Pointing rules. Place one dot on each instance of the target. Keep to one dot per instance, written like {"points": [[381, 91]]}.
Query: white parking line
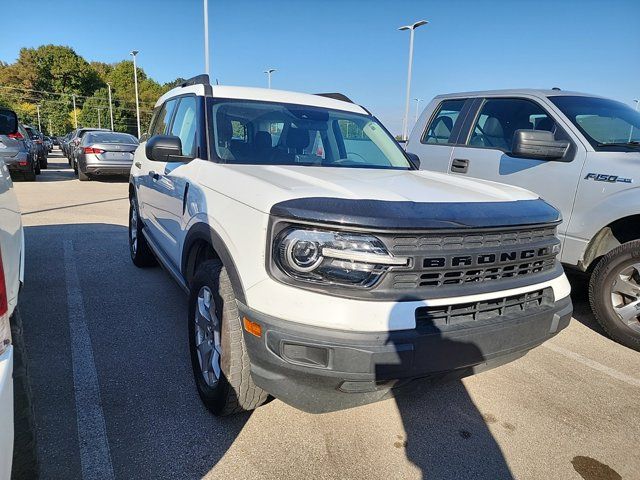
{"points": [[95, 457], [623, 377]]}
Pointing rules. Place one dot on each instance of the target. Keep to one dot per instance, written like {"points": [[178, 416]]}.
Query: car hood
{"points": [[264, 186]]}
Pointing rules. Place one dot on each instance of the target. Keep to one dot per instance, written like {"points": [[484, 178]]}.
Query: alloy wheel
{"points": [[208, 337], [625, 295]]}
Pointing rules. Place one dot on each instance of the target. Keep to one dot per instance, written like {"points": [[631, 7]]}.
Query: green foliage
{"points": [[50, 74]]}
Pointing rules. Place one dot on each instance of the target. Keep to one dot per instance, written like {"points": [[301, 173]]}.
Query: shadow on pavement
{"points": [[580, 297]]}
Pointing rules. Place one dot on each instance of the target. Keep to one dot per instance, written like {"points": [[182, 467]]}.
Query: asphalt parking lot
{"points": [[110, 374]]}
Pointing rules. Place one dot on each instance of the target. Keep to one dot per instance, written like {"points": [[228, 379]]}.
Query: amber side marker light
{"points": [[252, 327]]}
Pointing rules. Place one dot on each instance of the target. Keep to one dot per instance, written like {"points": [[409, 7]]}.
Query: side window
{"points": [[163, 118], [444, 122], [184, 125], [499, 118]]}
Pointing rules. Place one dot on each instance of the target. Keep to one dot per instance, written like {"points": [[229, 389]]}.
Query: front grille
{"points": [[472, 257], [484, 310], [406, 244]]}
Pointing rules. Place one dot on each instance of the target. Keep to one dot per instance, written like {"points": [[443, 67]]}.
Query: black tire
{"points": [[83, 177], [37, 168], [234, 392], [600, 284], [25, 452], [141, 254], [75, 167], [44, 164], [30, 176]]}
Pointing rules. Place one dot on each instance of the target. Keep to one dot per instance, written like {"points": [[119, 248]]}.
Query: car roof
{"points": [[536, 92], [263, 94]]}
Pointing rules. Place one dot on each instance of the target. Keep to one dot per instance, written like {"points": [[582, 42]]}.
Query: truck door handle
{"points": [[154, 175], [460, 165]]}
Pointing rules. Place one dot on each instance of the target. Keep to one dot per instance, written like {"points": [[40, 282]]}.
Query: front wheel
{"points": [[219, 357], [614, 293]]}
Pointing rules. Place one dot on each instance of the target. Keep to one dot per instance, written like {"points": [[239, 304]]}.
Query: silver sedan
{"points": [[105, 153]]}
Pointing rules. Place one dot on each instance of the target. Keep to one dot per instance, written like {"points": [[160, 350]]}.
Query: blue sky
{"points": [[353, 46]]}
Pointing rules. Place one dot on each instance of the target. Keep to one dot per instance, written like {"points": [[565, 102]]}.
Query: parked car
{"points": [[11, 277], [17, 151], [105, 153], [74, 143], [579, 152], [37, 138], [325, 269]]}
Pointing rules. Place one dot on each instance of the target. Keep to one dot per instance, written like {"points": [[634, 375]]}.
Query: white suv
{"points": [[322, 266]]}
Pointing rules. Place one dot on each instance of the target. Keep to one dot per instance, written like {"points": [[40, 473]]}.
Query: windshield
{"points": [[284, 134], [603, 122]]}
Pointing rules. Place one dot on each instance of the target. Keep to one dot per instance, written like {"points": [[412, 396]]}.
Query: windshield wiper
{"points": [[632, 144]]}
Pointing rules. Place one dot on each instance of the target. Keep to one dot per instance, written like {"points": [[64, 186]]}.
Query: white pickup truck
{"points": [[322, 266], [581, 153]]}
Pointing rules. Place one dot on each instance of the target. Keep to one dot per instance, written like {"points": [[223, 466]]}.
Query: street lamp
{"points": [[75, 114], [637, 103], [38, 109], [269, 72], [98, 108], [417, 100], [110, 106], [411, 29], [133, 53]]}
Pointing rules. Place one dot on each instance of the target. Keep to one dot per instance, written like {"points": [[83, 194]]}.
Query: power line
{"points": [[69, 94]]}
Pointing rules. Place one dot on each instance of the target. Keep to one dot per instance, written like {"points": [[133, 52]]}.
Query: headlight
{"points": [[326, 257]]}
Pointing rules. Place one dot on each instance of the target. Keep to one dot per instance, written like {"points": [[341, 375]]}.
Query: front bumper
{"points": [[320, 370], [6, 412]]}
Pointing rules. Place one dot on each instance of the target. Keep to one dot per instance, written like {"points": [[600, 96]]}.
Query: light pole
{"points": [[412, 29], [98, 108], [206, 37], [50, 129], [417, 100], [133, 53], [631, 129], [38, 109], [269, 72], [110, 106], [75, 115], [637, 103]]}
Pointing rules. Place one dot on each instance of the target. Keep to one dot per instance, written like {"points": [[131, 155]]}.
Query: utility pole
{"points": [[50, 129], [39, 126], [98, 108], [206, 37], [110, 106], [75, 115], [133, 53], [412, 29]]}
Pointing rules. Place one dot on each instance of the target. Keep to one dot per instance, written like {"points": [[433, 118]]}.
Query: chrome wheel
{"points": [[625, 295], [207, 337], [133, 228]]}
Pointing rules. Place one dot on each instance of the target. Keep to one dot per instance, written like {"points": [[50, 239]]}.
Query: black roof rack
{"points": [[202, 79], [336, 96]]}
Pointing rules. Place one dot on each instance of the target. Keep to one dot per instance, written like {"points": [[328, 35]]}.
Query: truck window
{"points": [[442, 123], [499, 118]]}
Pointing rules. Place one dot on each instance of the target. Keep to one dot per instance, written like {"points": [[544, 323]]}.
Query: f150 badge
{"points": [[603, 177]]}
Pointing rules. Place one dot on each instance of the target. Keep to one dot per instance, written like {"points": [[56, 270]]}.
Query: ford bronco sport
{"points": [[322, 266]]}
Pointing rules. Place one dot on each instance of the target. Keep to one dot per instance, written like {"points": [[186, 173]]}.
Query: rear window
{"points": [[441, 127], [109, 137]]}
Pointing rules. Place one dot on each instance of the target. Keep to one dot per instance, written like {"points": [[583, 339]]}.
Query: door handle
{"points": [[154, 175], [460, 165], [138, 164]]}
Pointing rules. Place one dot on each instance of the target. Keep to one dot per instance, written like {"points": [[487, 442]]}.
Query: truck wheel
{"points": [[219, 357], [614, 293], [141, 253]]}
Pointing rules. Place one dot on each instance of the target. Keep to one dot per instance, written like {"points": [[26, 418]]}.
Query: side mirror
{"points": [[538, 144], [8, 122], [165, 148], [414, 159]]}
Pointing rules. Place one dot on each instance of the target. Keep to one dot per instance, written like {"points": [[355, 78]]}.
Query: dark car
{"points": [[37, 138], [16, 148], [105, 153]]}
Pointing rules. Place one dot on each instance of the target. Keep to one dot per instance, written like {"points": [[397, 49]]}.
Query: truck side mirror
{"points": [[8, 122], [538, 144]]}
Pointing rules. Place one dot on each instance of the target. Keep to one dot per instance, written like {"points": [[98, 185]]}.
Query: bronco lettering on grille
{"points": [[485, 258]]}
